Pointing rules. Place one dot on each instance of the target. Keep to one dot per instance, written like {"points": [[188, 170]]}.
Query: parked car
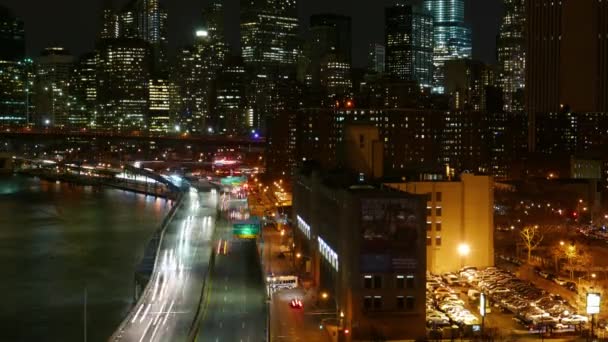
{"points": [[560, 281]]}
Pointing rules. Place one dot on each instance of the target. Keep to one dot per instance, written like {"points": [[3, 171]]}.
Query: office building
{"points": [[409, 43], [376, 58], [53, 72], [451, 37], [12, 36], [566, 68], [331, 38], [159, 120], [230, 113], [269, 34], [83, 92], [16, 92], [110, 22], [362, 244], [459, 212], [335, 78], [512, 56], [123, 76]]}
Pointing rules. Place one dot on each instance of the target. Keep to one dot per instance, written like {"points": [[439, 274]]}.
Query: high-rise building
{"points": [[53, 73], [409, 43], [110, 28], [159, 119], [186, 92], [330, 35], [123, 77], [336, 78], [269, 33], [376, 58], [12, 36], [451, 37], [146, 20], [566, 68], [213, 18], [512, 55], [16, 92], [230, 114], [83, 91]]}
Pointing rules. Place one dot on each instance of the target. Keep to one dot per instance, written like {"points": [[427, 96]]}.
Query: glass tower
{"points": [[452, 38], [409, 43]]}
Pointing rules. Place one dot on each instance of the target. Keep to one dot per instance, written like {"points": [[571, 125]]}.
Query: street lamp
{"points": [[463, 250]]}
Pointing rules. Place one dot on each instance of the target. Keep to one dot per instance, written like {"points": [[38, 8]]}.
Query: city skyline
{"points": [[54, 24]]}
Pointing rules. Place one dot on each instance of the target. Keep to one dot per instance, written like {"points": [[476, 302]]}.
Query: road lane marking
{"points": [[220, 324], [243, 325]]}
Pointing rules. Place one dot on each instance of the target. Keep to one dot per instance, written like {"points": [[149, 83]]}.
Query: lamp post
{"points": [[463, 250]]}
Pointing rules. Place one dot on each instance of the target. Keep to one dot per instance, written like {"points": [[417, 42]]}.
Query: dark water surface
{"points": [[58, 239]]}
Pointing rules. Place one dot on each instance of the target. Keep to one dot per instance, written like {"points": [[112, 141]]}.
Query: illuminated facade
{"points": [[12, 36], [269, 33], [409, 43], [452, 38], [53, 72], [83, 92], [159, 119], [16, 92], [335, 78], [512, 56], [457, 212], [188, 101], [123, 84]]}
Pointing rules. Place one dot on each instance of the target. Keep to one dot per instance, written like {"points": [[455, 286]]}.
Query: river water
{"points": [[56, 240]]}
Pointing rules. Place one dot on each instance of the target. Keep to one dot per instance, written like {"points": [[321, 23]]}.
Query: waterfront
{"points": [[57, 239]]}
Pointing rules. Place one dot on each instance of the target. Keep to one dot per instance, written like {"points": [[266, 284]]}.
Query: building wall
{"points": [[351, 223], [458, 212]]}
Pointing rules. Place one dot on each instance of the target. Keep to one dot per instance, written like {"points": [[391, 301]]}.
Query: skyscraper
{"points": [[269, 33], [159, 120], [123, 77], [12, 36], [16, 91], [83, 91], [188, 100], [566, 68], [409, 43], [110, 27], [452, 38], [53, 70], [511, 54], [230, 112], [376, 58]]}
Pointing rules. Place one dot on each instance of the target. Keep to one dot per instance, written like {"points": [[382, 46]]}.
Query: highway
{"points": [[165, 312], [236, 307]]}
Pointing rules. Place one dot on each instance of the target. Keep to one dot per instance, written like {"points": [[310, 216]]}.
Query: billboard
{"points": [[391, 229]]}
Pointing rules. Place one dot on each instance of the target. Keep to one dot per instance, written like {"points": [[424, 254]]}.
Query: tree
{"points": [[531, 237]]}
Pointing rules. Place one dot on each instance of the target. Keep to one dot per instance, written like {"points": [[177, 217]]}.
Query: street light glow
{"points": [[464, 249]]}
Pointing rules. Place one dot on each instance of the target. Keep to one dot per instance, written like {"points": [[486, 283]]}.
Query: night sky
{"points": [[75, 23]]}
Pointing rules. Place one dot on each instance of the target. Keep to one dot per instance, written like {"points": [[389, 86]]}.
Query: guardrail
{"points": [[117, 333], [200, 312]]}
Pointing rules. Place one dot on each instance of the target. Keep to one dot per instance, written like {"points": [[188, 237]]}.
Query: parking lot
{"points": [[516, 308]]}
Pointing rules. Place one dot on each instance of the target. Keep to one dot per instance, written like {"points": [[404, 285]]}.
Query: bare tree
{"points": [[531, 236]]}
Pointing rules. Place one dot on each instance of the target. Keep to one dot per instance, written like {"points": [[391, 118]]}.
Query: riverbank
{"points": [[152, 189]]}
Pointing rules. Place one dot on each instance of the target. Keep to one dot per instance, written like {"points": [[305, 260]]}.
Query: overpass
{"points": [[54, 133]]}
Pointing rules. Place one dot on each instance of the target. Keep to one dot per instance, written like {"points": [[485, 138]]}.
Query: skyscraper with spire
{"points": [[452, 37]]}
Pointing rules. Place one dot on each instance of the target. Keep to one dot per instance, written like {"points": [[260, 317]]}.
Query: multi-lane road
{"points": [[235, 310], [167, 309]]}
